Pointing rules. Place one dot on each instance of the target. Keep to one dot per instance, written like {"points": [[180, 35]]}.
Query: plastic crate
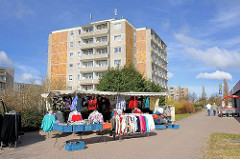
{"points": [[173, 126], [77, 128], [107, 125], [73, 146], [63, 128], [88, 127], [97, 126], [160, 127]]}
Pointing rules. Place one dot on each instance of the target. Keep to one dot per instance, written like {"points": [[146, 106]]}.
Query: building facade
{"points": [[236, 91], [78, 57], [6, 78], [178, 93]]}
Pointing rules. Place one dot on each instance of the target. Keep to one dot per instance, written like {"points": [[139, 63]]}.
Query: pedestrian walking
{"points": [[208, 108], [214, 108]]}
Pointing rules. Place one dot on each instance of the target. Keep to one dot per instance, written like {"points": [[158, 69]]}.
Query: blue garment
{"points": [[214, 112], [147, 102], [47, 123], [209, 111], [74, 103], [147, 128]]}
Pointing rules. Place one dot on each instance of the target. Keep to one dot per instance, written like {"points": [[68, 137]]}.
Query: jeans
{"points": [[209, 111], [214, 112]]}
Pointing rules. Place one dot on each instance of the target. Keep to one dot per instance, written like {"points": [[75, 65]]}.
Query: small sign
{"points": [[220, 89]]}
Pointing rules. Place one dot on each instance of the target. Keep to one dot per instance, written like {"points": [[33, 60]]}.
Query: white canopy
{"points": [[101, 93]]}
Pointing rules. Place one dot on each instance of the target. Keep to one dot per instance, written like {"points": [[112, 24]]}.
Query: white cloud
{"points": [[26, 77], [217, 58], [170, 75], [227, 16], [187, 40], [218, 75], [14, 9], [5, 60]]}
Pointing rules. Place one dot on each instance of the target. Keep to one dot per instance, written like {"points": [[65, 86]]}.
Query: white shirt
{"points": [[208, 106]]}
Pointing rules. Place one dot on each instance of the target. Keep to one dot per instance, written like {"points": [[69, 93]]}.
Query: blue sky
{"points": [[202, 36]]}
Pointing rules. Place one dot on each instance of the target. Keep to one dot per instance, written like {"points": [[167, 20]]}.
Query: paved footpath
{"points": [[186, 143]]}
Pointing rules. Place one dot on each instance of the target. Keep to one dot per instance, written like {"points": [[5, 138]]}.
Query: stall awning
{"points": [[102, 93]]}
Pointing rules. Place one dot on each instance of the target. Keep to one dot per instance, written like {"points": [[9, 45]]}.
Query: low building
{"points": [[236, 91], [178, 93]]}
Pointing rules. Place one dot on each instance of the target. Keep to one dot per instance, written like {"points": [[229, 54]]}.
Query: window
{"points": [[89, 41], [117, 62], [79, 77], [89, 30], [79, 65], [101, 74], [117, 49], [70, 77], [79, 43], [88, 64], [79, 31], [71, 44], [88, 87], [88, 52], [102, 39], [101, 27], [71, 33], [71, 55], [89, 76], [102, 63], [102, 51], [79, 54], [117, 26], [117, 38], [70, 66]]}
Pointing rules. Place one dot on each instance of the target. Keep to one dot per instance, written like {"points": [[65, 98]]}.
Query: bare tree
{"points": [[193, 97], [226, 91], [204, 96]]}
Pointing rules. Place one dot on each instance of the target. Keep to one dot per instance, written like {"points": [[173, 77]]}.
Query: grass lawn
{"points": [[221, 149], [181, 116]]}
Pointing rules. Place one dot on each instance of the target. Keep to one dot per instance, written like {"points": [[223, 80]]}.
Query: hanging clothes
{"points": [[131, 123], [131, 103], [58, 103], [156, 103], [47, 123], [136, 110], [59, 116], [79, 106], [74, 103], [121, 103], [151, 103], [147, 102], [67, 101], [92, 104]]}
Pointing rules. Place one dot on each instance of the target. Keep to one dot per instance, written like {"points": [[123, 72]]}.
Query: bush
{"points": [[183, 107], [31, 119], [198, 105], [187, 107]]}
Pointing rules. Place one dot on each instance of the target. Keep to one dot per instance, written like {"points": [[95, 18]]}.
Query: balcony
{"points": [[100, 68], [94, 56], [100, 44], [100, 32], [3, 81], [88, 81]]}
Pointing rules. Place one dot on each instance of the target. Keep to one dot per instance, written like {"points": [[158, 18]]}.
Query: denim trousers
{"points": [[214, 112], [209, 111]]}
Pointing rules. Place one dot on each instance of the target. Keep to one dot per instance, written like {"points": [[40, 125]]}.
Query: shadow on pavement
{"points": [[238, 119], [31, 138]]}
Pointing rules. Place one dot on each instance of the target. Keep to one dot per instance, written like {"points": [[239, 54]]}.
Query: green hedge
{"points": [[31, 119]]}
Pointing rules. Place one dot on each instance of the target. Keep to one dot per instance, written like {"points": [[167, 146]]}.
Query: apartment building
{"points": [[6, 78], [78, 57], [178, 93]]}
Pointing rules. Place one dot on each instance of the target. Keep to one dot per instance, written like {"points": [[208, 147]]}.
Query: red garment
{"points": [[136, 102], [92, 104], [131, 103], [137, 110], [76, 118]]}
